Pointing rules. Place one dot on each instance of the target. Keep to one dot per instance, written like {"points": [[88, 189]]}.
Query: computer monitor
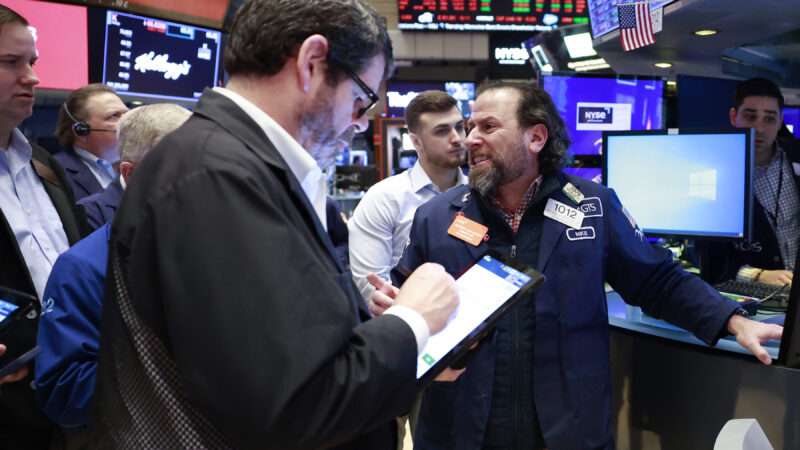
{"points": [[593, 104], [683, 184], [791, 117], [789, 354], [155, 58], [705, 102]]}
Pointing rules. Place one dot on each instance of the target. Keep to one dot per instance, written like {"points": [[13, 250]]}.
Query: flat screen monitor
{"points": [[400, 93], [593, 104], [791, 117], [209, 13], [155, 58], [604, 17], [683, 184], [486, 15], [61, 39]]}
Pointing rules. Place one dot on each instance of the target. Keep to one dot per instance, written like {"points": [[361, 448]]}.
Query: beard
{"points": [[448, 161], [502, 169], [318, 135]]}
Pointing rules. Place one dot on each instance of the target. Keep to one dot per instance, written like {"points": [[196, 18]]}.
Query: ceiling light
{"points": [[706, 32], [663, 65]]}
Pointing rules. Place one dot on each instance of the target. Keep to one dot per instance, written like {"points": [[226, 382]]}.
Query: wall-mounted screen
{"points": [[400, 93], [590, 105], [210, 13], [489, 15], [156, 58], [61, 39], [604, 17]]}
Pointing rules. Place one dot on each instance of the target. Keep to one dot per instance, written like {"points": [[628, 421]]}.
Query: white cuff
{"points": [[414, 320]]}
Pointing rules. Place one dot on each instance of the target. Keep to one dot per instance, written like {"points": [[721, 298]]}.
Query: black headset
{"points": [[80, 127]]}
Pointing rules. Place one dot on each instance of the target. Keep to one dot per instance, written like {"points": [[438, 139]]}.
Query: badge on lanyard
{"points": [[467, 230], [569, 216], [573, 193]]}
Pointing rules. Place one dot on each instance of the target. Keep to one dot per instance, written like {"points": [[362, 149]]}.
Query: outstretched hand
{"points": [[751, 334]]}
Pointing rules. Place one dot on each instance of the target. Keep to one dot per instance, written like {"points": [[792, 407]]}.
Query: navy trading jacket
{"points": [[571, 382]]}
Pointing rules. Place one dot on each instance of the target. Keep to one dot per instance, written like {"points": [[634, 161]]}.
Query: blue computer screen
{"points": [[591, 105], [791, 116], [682, 184]]}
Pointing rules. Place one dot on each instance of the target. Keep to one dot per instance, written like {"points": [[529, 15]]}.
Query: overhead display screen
{"points": [[605, 17], [490, 15], [156, 58]]}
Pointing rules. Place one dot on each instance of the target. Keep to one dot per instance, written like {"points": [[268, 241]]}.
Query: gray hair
{"points": [[142, 128]]}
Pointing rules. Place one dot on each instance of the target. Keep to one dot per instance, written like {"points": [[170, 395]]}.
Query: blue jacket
{"points": [[572, 385], [79, 177], [100, 207], [69, 332]]}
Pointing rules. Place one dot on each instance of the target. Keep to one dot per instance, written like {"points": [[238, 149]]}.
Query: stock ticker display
{"points": [[490, 15]]}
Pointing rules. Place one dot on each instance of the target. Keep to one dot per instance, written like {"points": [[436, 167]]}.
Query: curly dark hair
{"points": [[265, 33], [536, 107]]}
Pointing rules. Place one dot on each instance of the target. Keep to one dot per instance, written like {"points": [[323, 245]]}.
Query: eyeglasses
{"points": [[371, 95]]}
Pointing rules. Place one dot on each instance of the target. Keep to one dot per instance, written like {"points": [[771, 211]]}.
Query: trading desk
{"points": [[671, 391]]}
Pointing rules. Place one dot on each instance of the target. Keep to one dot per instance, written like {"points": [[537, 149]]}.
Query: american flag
{"points": [[635, 25]]}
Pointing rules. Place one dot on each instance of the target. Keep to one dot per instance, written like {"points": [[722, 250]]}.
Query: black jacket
{"points": [[229, 322]]}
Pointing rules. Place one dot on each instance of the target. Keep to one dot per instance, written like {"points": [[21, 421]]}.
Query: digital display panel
{"points": [[61, 39], [156, 58], [490, 15], [591, 105], [209, 13], [694, 184], [791, 117], [605, 18], [400, 93]]}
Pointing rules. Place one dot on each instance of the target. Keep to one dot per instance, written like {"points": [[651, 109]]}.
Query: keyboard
{"points": [[776, 297]]}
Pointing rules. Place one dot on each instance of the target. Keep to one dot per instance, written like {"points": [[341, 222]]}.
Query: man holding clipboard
{"points": [[543, 379]]}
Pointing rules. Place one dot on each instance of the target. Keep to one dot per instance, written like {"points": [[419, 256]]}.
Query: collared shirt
{"points": [[382, 221], [775, 190], [514, 217], [300, 162], [29, 211], [101, 169]]}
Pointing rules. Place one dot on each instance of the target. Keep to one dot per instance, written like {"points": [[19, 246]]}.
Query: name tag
{"points": [[467, 230], [560, 212]]}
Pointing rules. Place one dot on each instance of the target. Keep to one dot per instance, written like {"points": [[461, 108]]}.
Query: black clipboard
{"points": [[487, 290]]}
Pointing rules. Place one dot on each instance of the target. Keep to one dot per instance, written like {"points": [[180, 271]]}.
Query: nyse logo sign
{"points": [[592, 114], [603, 116]]}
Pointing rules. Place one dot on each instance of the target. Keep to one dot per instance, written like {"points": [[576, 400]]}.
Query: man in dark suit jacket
{"points": [[229, 321], [87, 132], [138, 134], [33, 190]]}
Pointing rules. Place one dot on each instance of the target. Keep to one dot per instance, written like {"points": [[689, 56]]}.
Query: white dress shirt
{"points": [[101, 169], [29, 211], [382, 221], [315, 186]]}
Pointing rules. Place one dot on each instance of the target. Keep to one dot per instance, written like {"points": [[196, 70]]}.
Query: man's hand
{"points": [[751, 334], [775, 277], [383, 296], [16, 376], [431, 292]]}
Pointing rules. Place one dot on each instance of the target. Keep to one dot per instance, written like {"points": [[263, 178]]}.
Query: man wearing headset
{"points": [[87, 130], [770, 256]]}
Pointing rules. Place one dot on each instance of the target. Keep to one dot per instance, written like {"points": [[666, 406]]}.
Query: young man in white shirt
{"points": [[382, 220]]}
